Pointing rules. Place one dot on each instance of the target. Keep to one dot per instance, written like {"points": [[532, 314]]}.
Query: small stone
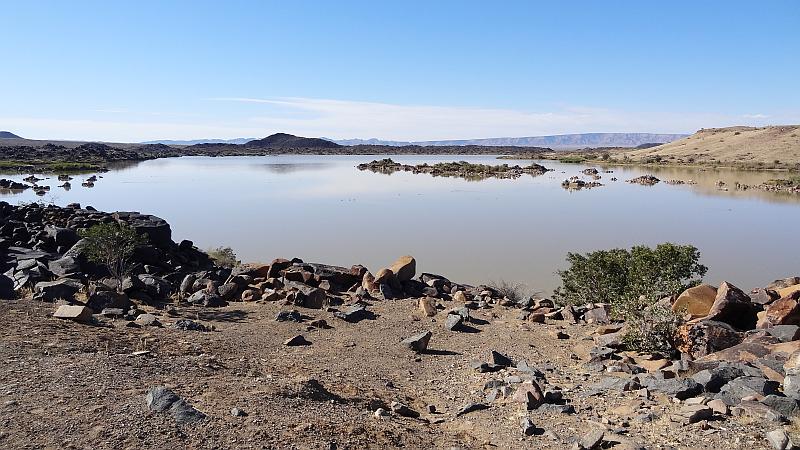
{"points": [[528, 428], [403, 410], [296, 341], [592, 439], [718, 407], [236, 412], [147, 320], [453, 322], [500, 359], [471, 407], [74, 313], [779, 439], [418, 342]]}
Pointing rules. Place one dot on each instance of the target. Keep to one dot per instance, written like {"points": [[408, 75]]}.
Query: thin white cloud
{"points": [[345, 119], [342, 119]]}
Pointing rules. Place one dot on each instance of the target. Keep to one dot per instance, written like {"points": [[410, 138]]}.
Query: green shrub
{"points": [[112, 245], [630, 279], [223, 257]]}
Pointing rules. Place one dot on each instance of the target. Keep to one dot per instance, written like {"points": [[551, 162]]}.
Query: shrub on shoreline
{"points": [[632, 282]]}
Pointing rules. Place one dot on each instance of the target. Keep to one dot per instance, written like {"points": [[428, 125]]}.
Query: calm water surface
{"points": [[321, 208]]}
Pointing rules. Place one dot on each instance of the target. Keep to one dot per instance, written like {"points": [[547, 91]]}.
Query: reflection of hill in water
{"points": [[706, 180], [283, 168]]}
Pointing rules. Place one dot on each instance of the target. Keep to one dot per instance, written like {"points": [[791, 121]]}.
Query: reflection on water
{"points": [[321, 208]]}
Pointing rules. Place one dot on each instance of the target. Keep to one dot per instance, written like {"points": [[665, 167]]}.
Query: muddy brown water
{"points": [[321, 208]]}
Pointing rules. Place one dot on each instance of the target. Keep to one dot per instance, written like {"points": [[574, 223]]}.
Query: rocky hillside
{"points": [[765, 146], [8, 135], [285, 141]]}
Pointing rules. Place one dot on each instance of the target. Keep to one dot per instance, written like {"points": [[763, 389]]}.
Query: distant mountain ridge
{"points": [[8, 135], [559, 142]]}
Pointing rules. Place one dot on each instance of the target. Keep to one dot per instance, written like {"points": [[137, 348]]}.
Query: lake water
{"points": [[322, 209]]}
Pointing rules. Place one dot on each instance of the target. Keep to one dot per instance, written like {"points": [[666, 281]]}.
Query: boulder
{"points": [[161, 399], [700, 338], [74, 312], [6, 288], [696, 301], [427, 306], [453, 322], [297, 341], [308, 296], [713, 379], [156, 229], [65, 267], [404, 268], [63, 237], [530, 394], [108, 299], [763, 296], [353, 314], [60, 289], [383, 276], [156, 287], [418, 342], [786, 333], [732, 306], [784, 311], [789, 290], [598, 315], [737, 389]]}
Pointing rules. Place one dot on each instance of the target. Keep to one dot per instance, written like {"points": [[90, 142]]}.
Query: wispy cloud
{"points": [[356, 119], [343, 119]]}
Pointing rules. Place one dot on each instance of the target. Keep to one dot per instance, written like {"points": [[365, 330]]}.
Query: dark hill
{"points": [[8, 135], [283, 140]]}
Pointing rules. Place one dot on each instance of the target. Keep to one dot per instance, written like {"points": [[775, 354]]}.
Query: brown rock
{"points": [[74, 312], [249, 295], [529, 393], [701, 338], [732, 306], [696, 301], [404, 268], [785, 292], [383, 276], [718, 407], [785, 311], [460, 297], [427, 306], [597, 315], [368, 282]]}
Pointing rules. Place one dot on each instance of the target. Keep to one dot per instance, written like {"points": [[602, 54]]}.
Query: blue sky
{"points": [[134, 71]]}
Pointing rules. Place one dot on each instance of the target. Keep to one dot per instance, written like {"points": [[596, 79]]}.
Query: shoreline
{"points": [[262, 345]]}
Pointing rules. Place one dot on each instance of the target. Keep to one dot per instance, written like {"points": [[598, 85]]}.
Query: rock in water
{"points": [[161, 399], [404, 268], [418, 342]]}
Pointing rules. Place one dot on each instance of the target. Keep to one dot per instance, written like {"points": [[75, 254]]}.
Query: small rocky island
{"points": [[459, 169]]}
